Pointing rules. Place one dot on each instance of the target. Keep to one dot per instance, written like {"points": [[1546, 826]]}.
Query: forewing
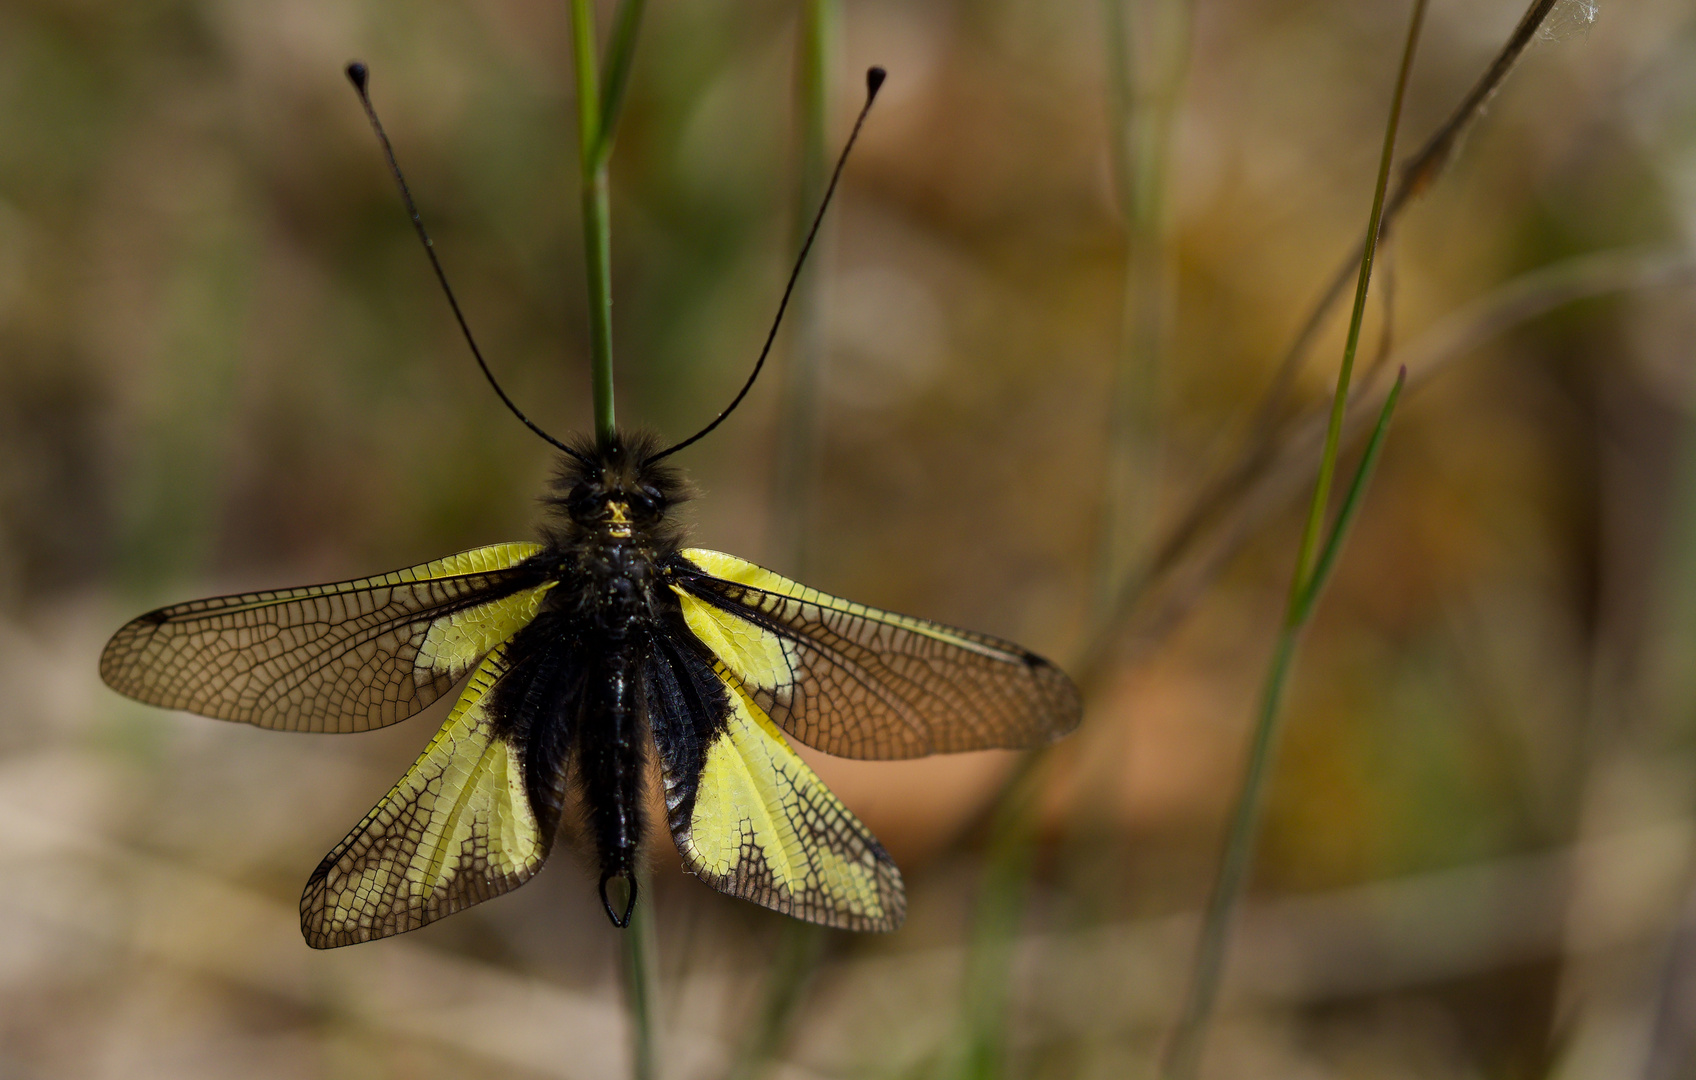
{"points": [[862, 683], [749, 817], [457, 830], [346, 657]]}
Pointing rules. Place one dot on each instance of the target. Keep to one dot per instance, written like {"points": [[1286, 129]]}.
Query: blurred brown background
{"points": [[224, 365]]}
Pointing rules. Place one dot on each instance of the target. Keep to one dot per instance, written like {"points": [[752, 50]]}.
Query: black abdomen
{"points": [[612, 748], [580, 693]]}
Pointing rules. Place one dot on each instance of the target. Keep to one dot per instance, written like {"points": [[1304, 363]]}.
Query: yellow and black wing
{"points": [[862, 683], [748, 816], [330, 658], [458, 829]]}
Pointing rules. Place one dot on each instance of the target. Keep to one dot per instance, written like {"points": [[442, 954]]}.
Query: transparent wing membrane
{"points": [[862, 683], [329, 658], [457, 830], [751, 819]]}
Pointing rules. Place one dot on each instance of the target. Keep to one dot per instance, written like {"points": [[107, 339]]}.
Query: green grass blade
{"points": [[799, 436], [1148, 50], [1339, 400], [801, 947], [637, 958], [597, 216], [621, 55], [978, 1050], [595, 123], [1183, 1058], [1418, 174], [1143, 111], [1351, 504]]}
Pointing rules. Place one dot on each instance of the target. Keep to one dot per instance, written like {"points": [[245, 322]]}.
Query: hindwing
{"points": [[458, 829], [330, 658], [862, 683], [748, 816]]}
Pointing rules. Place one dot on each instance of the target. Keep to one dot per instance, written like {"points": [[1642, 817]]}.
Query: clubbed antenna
{"points": [[874, 80], [359, 75]]}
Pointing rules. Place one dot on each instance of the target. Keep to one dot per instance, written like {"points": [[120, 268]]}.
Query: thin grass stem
{"points": [[621, 56], [1277, 481], [597, 217], [1417, 175], [1339, 400], [1228, 484], [1141, 109], [1147, 61], [1142, 112], [637, 961], [1668, 692], [598, 109], [1183, 1059], [800, 427], [801, 946], [978, 1050], [1351, 505]]}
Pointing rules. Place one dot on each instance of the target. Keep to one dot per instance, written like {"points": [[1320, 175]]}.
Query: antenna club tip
{"points": [[874, 80], [358, 74]]}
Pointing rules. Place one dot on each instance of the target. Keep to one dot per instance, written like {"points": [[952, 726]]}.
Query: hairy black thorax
{"points": [[612, 531]]}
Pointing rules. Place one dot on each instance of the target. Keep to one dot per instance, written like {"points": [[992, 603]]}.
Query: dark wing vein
{"points": [[748, 816], [862, 683], [457, 829], [329, 658]]}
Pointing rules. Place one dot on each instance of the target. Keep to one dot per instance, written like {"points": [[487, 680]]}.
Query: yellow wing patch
{"points": [[456, 830], [457, 641], [742, 572], [766, 829], [753, 654]]}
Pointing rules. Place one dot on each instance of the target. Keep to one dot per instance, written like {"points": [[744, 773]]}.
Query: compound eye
{"points": [[646, 502], [587, 505]]}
